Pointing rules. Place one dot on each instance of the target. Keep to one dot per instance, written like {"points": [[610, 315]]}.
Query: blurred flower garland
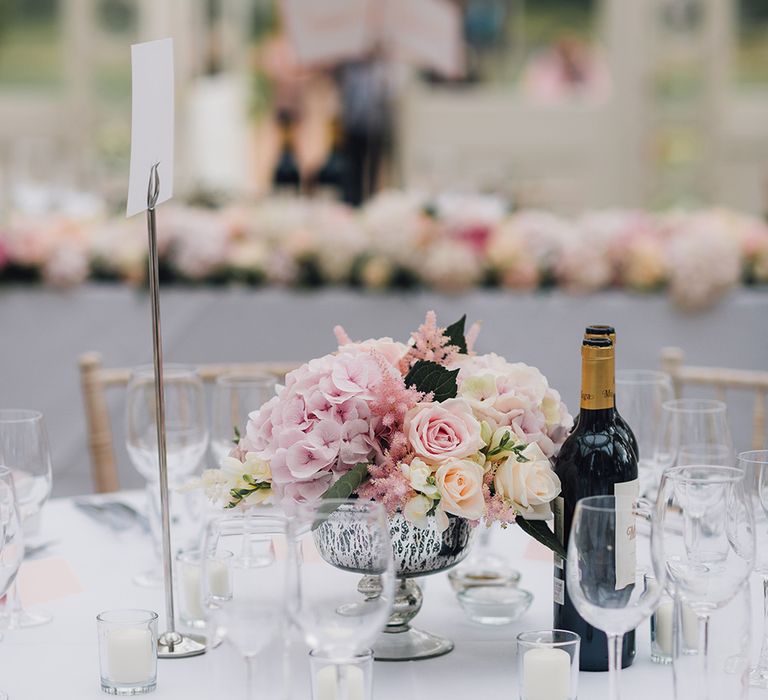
{"points": [[401, 240]]}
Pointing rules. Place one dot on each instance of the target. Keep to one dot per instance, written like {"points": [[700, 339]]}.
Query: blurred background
{"points": [[667, 100]]}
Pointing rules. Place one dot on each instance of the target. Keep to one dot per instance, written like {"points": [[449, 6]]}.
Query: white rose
{"points": [[529, 486], [419, 473], [416, 510]]}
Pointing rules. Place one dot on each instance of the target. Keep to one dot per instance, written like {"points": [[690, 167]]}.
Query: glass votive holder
{"points": [[548, 665], [189, 589], [350, 679], [127, 651], [664, 625]]}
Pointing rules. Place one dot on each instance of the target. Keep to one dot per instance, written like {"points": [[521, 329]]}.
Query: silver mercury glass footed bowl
{"points": [[417, 552]]}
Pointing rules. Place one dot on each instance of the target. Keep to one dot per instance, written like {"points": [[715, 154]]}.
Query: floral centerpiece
{"points": [[430, 429]]}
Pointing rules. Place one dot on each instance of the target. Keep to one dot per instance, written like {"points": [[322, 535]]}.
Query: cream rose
{"points": [[441, 431], [460, 483], [416, 510], [528, 486], [418, 474]]}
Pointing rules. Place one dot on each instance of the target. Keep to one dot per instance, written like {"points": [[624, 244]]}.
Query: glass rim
{"points": [[619, 503], [574, 638], [747, 457], [10, 416], [170, 369], [195, 556], [142, 616], [695, 406], [730, 475], [641, 376], [354, 504], [245, 376]]}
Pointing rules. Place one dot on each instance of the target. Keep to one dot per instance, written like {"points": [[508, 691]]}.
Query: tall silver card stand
{"points": [[170, 644]]}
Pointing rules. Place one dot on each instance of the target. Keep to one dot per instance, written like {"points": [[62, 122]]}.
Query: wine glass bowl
{"points": [[11, 536]]}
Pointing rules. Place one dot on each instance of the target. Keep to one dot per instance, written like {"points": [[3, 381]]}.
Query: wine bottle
{"points": [[286, 178], [600, 331], [329, 181], [596, 459]]}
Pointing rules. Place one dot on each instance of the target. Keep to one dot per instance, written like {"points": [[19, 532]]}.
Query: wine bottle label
{"points": [[559, 591], [558, 510], [626, 546]]}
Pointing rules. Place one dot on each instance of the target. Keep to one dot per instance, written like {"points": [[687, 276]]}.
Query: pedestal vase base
{"points": [[410, 645]]}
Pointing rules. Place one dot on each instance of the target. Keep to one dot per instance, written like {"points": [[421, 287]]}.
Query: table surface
{"points": [[60, 660]]}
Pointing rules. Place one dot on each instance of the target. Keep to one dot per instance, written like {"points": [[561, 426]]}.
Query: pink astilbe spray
{"points": [[429, 343], [391, 398]]}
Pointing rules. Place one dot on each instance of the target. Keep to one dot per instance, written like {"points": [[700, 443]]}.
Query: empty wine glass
{"points": [[24, 450], [641, 394], [755, 466], [235, 395], [251, 612], [11, 536], [607, 567], [693, 424], [340, 615], [186, 432], [707, 544]]}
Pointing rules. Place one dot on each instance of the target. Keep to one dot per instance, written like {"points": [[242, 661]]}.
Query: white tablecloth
{"points": [[42, 332], [60, 660]]}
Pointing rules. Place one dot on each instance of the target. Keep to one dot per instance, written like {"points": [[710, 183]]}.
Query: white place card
{"points": [[152, 120]]}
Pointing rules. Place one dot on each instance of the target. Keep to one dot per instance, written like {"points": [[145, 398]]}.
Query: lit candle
{"points": [[546, 674], [327, 685], [130, 655]]}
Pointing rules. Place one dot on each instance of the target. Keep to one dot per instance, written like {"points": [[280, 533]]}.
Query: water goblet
{"points": [[340, 615], [705, 530], [186, 441], [24, 449], [755, 466], [235, 396], [607, 567]]}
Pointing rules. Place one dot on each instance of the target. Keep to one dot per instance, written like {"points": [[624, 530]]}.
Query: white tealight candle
{"points": [[546, 674], [663, 625], [218, 578], [327, 686], [130, 655], [218, 585], [690, 628]]}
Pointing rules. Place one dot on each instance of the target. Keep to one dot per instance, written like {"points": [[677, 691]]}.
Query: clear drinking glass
{"points": [[186, 441], [329, 678], [641, 393], [548, 665], [189, 589], [705, 530], [11, 536], [235, 395], [24, 449], [609, 555], [691, 424], [127, 651], [251, 614], [755, 466], [334, 543]]}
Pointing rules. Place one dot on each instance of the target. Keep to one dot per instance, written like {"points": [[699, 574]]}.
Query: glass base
{"points": [[410, 645], [758, 678], [21, 619], [662, 659], [127, 689]]}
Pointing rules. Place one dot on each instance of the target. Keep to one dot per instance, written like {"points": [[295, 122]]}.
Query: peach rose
{"points": [[460, 482], [441, 431], [529, 486]]}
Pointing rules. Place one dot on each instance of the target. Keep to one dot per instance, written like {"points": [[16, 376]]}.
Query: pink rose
{"points": [[460, 483], [441, 431]]}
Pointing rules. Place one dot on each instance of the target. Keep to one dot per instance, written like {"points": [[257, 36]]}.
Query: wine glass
{"points": [[641, 394], [11, 536], [251, 612], [24, 450], [707, 543], [235, 395], [608, 561], [755, 466], [340, 615], [186, 432], [691, 424]]}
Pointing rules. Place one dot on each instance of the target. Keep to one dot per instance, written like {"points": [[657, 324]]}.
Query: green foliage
{"points": [[539, 530], [430, 377], [455, 333]]}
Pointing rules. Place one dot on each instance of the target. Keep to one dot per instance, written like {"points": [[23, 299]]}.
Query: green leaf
{"points": [[236, 438], [348, 483], [539, 530], [431, 377], [455, 333]]}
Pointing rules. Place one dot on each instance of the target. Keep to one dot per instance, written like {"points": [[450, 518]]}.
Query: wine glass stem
{"points": [[614, 665], [704, 655], [250, 677], [762, 664]]}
